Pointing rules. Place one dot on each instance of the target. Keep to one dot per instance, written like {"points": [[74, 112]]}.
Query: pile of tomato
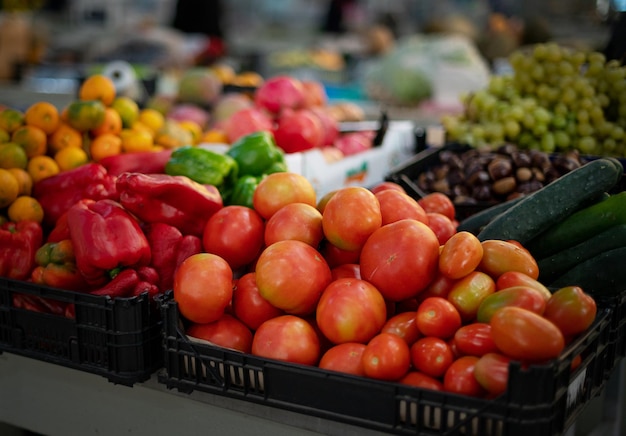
{"points": [[374, 283]]}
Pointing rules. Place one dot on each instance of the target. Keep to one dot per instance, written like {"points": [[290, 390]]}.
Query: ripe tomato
{"points": [[403, 324], [347, 270], [443, 226], [438, 317], [381, 186], [234, 233], [248, 305], [278, 189], [437, 202], [475, 339], [291, 275], [288, 338], [469, 292], [350, 310], [492, 372], [516, 278], [460, 255], [524, 335], [336, 256], [396, 205], [520, 296], [571, 310], [226, 332], [432, 356], [351, 215], [321, 203], [417, 379], [459, 378], [400, 259], [346, 357], [299, 221], [386, 357], [502, 256], [203, 287], [440, 286]]}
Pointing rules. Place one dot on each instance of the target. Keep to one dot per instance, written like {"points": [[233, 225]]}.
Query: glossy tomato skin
{"points": [[347, 270], [226, 332], [350, 310], [440, 286], [400, 259], [234, 233], [460, 255], [403, 324], [524, 335], [396, 205], [288, 338], [203, 287], [475, 339], [335, 256], [387, 185], [248, 305], [299, 221], [469, 292], [386, 357], [279, 189], [291, 275], [420, 380], [571, 309], [492, 373], [502, 256], [516, 278], [437, 317], [432, 356], [346, 358], [437, 202], [351, 215], [459, 378], [521, 296], [321, 203], [441, 225]]}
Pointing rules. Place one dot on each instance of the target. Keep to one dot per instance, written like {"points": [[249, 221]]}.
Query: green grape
{"points": [[596, 114], [528, 121], [542, 115], [477, 131], [609, 146], [565, 68], [582, 116], [548, 143], [617, 133], [540, 51], [568, 96], [561, 139], [512, 129], [584, 129], [561, 109], [587, 145], [559, 121], [539, 129], [596, 57]]}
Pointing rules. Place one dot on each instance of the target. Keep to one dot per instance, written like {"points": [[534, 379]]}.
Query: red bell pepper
{"points": [[130, 282], [60, 231], [18, 244], [147, 162], [105, 237], [174, 200], [56, 267], [60, 192], [36, 303]]}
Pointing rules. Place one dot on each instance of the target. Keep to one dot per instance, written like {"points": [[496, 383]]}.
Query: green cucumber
{"points": [[474, 223], [580, 226], [554, 202], [601, 275], [553, 266]]}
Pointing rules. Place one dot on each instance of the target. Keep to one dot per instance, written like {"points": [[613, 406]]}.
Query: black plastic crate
{"points": [[541, 399], [119, 338]]}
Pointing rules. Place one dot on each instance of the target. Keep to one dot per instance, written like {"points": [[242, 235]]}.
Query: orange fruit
{"points": [[85, 115], [12, 155], [248, 79], [136, 140], [11, 119], [69, 158], [151, 118], [5, 136], [25, 208], [23, 180], [97, 87], [138, 126], [112, 123], [128, 110], [63, 137], [193, 128], [213, 136], [105, 145], [44, 115], [225, 72], [41, 167], [9, 188], [32, 139]]}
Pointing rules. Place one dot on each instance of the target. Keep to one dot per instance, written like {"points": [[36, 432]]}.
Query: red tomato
{"points": [[441, 225], [288, 338], [403, 324], [299, 221], [516, 278], [438, 317], [436, 202], [460, 255], [346, 357], [417, 379], [475, 339], [492, 372], [524, 335], [226, 332], [321, 203], [203, 287], [432, 356], [335, 256], [440, 286], [347, 270], [520, 296], [351, 215], [396, 205], [459, 378], [278, 189], [386, 357], [469, 292], [234, 233], [381, 186], [400, 259], [502, 256], [571, 310], [291, 275], [350, 310], [248, 305]]}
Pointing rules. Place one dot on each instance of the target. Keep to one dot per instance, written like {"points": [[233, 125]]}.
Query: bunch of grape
{"points": [[557, 99]]}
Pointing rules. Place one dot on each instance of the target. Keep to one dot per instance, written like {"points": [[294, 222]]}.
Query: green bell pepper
{"points": [[243, 191], [203, 166], [257, 154]]}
